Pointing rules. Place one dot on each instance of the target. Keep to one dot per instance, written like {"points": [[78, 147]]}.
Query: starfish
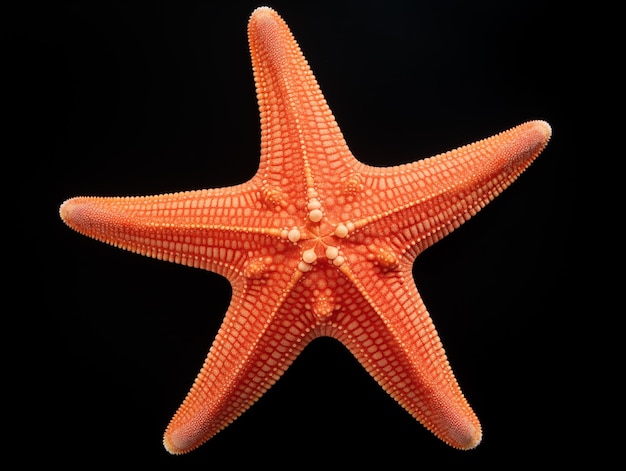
{"points": [[315, 244]]}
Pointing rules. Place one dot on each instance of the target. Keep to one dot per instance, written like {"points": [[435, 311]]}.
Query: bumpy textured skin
{"points": [[315, 244]]}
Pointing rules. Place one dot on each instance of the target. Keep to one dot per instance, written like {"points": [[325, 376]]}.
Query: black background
{"points": [[128, 99]]}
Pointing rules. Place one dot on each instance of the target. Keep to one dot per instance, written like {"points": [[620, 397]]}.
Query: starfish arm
{"points": [[208, 229], [260, 337], [298, 130], [400, 348], [430, 198]]}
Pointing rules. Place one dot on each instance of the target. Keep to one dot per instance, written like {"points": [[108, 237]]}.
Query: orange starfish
{"points": [[315, 244]]}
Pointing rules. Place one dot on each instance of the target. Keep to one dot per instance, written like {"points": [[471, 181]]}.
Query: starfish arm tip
{"points": [[83, 215], [544, 128], [71, 212], [535, 138], [64, 209], [471, 439], [170, 447], [462, 432], [180, 440]]}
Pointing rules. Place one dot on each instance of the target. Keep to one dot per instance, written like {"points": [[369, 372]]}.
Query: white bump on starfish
{"points": [[304, 267], [294, 235], [316, 215], [338, 260], [342, 230], [332, 252], [309, 256], [314, 203]]}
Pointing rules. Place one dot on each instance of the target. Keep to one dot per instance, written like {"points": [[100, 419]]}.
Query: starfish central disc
{"points": [[318, 239]]}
